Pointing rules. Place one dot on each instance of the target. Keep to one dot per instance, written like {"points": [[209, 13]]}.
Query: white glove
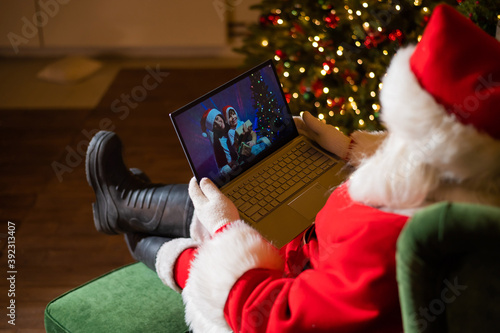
{"points": [[327, 136], [211, 206]]}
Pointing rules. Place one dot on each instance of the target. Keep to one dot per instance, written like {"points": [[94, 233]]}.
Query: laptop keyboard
{"points": [[262, 193]]}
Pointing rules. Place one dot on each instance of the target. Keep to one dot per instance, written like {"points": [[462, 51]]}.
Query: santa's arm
{"points": [[216, 267], [238, 272], [353, 148], [236, 283]]}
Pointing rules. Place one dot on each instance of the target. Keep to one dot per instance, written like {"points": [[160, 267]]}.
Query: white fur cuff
{"points": [[166, 258], [219, 263]]}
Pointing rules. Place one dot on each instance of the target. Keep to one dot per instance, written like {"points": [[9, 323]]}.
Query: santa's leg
{"points": [[144, 248], [126, 202]]}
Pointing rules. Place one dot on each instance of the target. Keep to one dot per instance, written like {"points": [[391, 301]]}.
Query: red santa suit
{"points": [[341, 280], [338, 276]]}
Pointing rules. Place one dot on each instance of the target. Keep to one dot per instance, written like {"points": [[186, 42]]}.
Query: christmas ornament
{"points": [[280, 54], [332, 20], [396, 35], [317, 88], [373, 38]]}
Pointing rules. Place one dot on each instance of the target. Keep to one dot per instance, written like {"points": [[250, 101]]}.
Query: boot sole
{"points": [[100, 207]]}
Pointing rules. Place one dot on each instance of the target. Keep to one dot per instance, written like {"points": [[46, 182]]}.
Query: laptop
{"points": [[242, 136]]}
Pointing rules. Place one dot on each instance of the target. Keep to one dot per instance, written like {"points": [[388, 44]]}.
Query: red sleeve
{"points": [[182, 266], [183, 263]]}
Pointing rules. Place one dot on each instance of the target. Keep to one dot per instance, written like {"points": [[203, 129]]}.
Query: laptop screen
{"points": [[230, 129]]}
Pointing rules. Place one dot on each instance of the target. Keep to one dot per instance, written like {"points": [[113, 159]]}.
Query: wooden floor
{"points": [[45, 196]]}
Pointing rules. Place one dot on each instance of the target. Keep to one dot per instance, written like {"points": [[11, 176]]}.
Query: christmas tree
{"points": [[267, 106], [332, 54]]}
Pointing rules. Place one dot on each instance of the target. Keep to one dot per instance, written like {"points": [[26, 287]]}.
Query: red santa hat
{"points": [[207, 120], [226, 110], [453, 72]]}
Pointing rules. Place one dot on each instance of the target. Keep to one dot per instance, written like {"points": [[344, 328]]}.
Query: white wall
{"points": [[135, 27], [13, 14]]}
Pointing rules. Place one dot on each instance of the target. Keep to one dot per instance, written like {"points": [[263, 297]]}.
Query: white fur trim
{"points": [[407, 109], [426, 148], [412, 114], [219, 263], [167, 256]]}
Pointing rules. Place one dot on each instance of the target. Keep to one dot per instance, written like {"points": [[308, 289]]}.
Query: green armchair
{"points": [[448, 269], [448, 274]]}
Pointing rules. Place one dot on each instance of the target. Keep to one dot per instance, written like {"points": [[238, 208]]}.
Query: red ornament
{"points": [[288, 97], [332, 20], [280, 54], [396, 35], [267, 19], [373, 39], [370, 42], [273, 18], [338, 101], [317, 87]]}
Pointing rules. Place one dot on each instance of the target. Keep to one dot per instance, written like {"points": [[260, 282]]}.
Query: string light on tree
{"points": [[327, 50]]}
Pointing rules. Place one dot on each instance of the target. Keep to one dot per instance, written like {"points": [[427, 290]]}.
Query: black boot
{"points": [[139, 174], [126, 201], [144, 248]]}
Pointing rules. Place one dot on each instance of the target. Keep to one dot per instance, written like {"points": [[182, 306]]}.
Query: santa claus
{"points": [[440, 104]]}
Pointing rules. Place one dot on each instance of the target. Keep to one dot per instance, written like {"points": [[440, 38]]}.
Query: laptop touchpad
{"points": [[309, 203]]}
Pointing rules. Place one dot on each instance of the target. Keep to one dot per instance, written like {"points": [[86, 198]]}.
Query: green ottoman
{"points": [[129, 299]]}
